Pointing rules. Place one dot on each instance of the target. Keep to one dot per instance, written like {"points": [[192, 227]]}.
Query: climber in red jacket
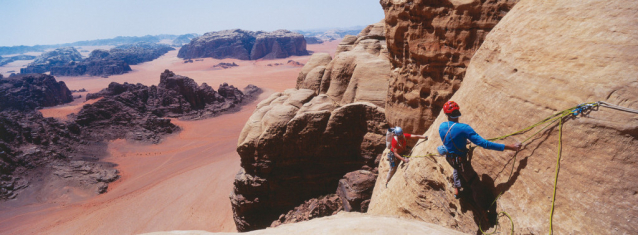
{"points": [[398, 146]]}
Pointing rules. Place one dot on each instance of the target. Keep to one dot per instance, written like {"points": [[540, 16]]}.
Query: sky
{"points": [[41, 22]]}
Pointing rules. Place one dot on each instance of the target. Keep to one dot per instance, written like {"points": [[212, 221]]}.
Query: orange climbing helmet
{"points": [[450, 107]]}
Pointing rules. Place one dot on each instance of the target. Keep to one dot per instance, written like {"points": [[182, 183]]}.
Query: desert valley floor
{"points": [[183, 183]]}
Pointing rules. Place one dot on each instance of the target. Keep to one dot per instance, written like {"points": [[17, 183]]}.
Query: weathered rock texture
{"points": [[542, 57], [313, 40], [298, 144], [31, 91], [342, 224], [313, 208], [430, 45], [245, 45], [115, 61], [44, 62], [355, 190], [359, 72]]}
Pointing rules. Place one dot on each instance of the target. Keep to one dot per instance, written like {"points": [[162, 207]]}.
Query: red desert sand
{"points": [[182, 183]]}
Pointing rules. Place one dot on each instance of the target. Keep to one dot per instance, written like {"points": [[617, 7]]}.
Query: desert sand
{"points": [[182, 183]]}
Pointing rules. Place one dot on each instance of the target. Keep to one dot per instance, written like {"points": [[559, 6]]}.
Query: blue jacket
{"points": [[458, 136]]}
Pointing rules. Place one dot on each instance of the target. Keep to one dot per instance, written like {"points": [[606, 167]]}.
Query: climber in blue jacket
{"points": [[454, 136]]}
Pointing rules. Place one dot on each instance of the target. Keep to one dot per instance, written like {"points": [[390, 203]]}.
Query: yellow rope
{"points": [[550, 120], [560, 135]]}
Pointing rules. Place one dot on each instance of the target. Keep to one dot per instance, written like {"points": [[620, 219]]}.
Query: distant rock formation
{"points": [[313, 40], [300, 143], [176, 96], [542, 58], [429, 67], [245, 45], [6, 60], [116, 61], [184, 39], [31, 91], [223, 65], [57, 57]]}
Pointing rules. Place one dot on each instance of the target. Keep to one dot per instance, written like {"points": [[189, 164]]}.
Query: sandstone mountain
{"points": [[543, 57], [430, 45], [299, 144], [6, 60], [115, 61], [245, 45], [44, 62]]}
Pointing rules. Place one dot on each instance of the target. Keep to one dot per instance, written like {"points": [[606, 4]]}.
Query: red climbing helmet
{"points": [[450, 106]]}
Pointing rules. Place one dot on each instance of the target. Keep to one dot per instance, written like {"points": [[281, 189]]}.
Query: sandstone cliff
{"points": [[542, 57], [31, 91], [342, 224], [298, 144], [430, 45], [245, 45]]}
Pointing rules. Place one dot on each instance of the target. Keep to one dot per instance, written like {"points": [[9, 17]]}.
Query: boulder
{"points": [[355, 190], [543, 57], [245, 45], [430, 45], [314, 208]]}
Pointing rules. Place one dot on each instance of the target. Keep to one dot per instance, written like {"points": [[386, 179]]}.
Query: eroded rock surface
{"points": [[298, 144], [355, 190], [31, 91], [543, 57], [430, 45], [245, 45], [313, 208]]}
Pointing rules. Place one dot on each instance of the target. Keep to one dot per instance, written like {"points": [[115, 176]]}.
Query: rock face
{"points": [[31, 91], [245, 45], [313, 208], [313, 40], [44, 62], [430, 45], [355, 190], [6, 60], [342, 224], [116, 61], [176, 97], [542, 57], [298, 144], [359, 72]]}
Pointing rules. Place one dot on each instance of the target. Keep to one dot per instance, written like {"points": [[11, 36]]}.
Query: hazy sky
{"points": [[30, 22]]}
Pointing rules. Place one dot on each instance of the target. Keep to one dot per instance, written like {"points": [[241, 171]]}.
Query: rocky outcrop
{"points": [[6, 60], [355, 190], [359, 72], [44, 152], [116, 61], [176, 97], [342, 224], [543, 57], [44, 62], [31, 91], [183, 39], [140, 52], [298, 144], [430, 45], [313, 40], [245, 45], [313, 208]]}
